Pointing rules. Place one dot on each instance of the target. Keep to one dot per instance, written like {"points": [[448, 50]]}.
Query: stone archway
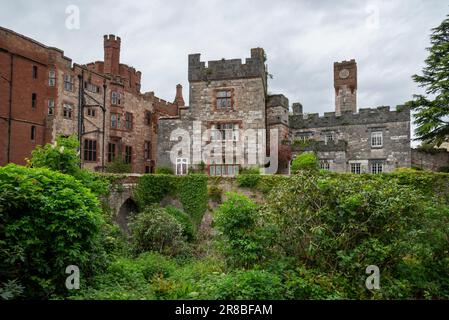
{"points": [[126, 209]]}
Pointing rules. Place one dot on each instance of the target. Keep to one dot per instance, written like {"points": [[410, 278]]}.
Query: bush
{"points": [[247, 234], [304, 161], [248, 180], [184, 220], [250, 170], [48, 221], [63, 156], [164, 170], [340, 226], [215, 193], [155, 230], [243, 285], [118, 166]]}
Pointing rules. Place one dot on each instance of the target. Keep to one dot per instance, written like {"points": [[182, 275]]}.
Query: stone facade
{"points": [[224, 94], [342, 141], [43, 95], [435, 160], [347, 140]]}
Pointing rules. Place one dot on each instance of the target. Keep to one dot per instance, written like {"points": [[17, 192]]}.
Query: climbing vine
{"points": [[191, 190]]}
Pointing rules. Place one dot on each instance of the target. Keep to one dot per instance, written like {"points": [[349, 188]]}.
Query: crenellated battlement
{"points": [[227, 68], [381, 114]]}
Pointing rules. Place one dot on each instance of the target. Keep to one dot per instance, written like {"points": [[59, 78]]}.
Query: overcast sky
{"points": [[302, 39]]}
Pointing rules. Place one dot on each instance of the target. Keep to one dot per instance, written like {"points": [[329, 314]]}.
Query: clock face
{"points": [[344, 73]]}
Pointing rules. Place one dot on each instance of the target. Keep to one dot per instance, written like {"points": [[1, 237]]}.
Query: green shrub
{"points": [[184, 220], [243, 285], [247, 234], [155, 230], [48, 221], [118, 166], [340, 226], [215, 193], [164, 170], [248, 180], [304, 161], [250, 170], [63, 156]]}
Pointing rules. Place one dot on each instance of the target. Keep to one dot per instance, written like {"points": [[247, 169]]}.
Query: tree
{"points": [[305, 161], [432, 111]]}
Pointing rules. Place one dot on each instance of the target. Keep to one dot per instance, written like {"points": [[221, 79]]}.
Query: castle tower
{"points": [[345, 84], [111, 54]]}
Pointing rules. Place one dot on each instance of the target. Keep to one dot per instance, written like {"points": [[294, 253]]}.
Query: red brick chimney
{"points": [[179, 100], [111, 54]]}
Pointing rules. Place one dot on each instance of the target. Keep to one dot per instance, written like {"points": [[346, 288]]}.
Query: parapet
{"points": [[365, 116], [227, 69], [277, 100]]}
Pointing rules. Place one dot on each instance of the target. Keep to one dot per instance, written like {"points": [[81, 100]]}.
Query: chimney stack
{"points": [[297, 108], [179, 100]]}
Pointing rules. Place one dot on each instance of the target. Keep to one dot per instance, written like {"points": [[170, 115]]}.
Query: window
{"points": [[91, 87], [376, 167], [91, 112], [33, 100], [303, 136], [115, 120], [324, 165], [68, 82], [116, 98], [224, 131], [224, 99], [224, 169], [34, 72], [147, 169], [181, 166], [355, 168], [68, 109], [147, 150], [111, 152], [128, 154], [33, 133], [147, 118], [376, 139], [129, 121], [90, 150], [51, 78], [328, 137], [51, 107]]}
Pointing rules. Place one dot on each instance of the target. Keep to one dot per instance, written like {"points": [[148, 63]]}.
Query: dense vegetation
{"points": [[312, 237]]}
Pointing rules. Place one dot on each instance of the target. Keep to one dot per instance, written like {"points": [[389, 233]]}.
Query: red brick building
{"points": [[43, 95]]}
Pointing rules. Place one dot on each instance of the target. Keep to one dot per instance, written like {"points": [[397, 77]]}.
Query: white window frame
{"points": [[232, 133], [377, 139], [328, 136], [377, 167], [325, 165], [356, 167], [182, 166]]}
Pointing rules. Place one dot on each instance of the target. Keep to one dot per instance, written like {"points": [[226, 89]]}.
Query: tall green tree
{"points": [[432, 110]]}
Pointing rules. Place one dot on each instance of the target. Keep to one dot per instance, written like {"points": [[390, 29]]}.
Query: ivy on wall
{"points": [[190, 190]]}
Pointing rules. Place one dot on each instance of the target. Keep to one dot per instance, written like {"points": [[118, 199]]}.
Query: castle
{"points": [[231, 97], [230, 123], [44, 95]]}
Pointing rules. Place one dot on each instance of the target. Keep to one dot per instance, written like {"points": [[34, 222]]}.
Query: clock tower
{"points": [[345, 84]]}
